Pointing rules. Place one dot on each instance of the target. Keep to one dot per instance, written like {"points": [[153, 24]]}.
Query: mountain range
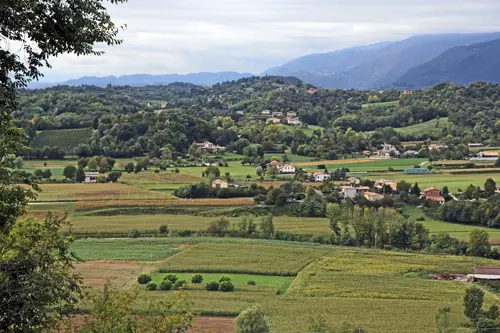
{"points": [[416, 62]]}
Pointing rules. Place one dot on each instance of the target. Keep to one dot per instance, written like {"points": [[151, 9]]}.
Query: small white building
{"points": [[91, 177], [349, 192], [321, 176], [286, 169], [354, 180]]}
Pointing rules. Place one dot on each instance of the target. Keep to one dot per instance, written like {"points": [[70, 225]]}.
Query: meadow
{"points": [[369, 165]]}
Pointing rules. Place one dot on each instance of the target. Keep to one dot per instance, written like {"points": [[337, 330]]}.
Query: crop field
{"points": [[66, 139], [253, 259], [148, 178], [453, 181], [378, 290], [239, 280], [168, 201], [368, 164], [101, 192]]}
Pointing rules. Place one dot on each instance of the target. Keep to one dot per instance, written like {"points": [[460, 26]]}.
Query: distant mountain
{"points": [[139, 80], [374, 66], [461, 65]]}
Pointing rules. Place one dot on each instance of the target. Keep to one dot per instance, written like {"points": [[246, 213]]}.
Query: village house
{"points": [[488, 155], [265, 113], [286, 169], [274, 121], [219, 184], [353, 181], [274, 164], [434, 194], [407, 92], [352, 192], [312, 90], [388, 150], [278, 114], [435, 146], [381, 183], [372, 196], [91, 177], [208, 146], [291, 114], [484, 274], [293, 121], [366, 153], [321, 176]]}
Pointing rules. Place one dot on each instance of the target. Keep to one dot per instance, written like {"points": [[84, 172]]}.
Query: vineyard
{"points": [[66, 139]]}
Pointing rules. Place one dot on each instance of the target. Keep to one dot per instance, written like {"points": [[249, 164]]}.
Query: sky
{"points": [[166, 36]]}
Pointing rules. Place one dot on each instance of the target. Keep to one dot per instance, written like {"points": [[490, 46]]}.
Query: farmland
{"points": [[67, 139], [369, 288]]}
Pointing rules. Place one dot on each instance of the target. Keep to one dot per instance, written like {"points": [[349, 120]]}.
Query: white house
{"points": [[286, 168], [208, 146], [349, 191], [321, 176], [354, 180], [266, 113], [293, 121], [91, 177], [387, 149]]}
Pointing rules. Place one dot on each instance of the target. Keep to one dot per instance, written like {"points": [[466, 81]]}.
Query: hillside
{"points": [[461, 65], [376, 66], [138, 80]]}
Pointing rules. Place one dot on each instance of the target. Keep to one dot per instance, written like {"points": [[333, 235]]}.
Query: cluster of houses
{"points": [[208, 146], [279, 117]]}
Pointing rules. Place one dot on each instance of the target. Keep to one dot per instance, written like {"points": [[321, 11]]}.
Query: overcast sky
{"points": [[166, 36]]}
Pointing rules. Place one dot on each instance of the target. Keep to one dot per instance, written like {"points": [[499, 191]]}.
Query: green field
{"points": [[293, 158], [239, 280], [378, 290], [453, 181], [432, 128], [379, 105], [66, 139], [372, 165]]}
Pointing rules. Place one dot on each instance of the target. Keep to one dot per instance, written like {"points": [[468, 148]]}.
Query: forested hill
{"points": [[132, 121]]}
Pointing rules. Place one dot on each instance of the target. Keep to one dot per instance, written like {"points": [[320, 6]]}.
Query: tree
{"points": [[129, 167], [114, 176], [82, 150], [194, 150], [35, 257], [258, 171], [69, 172], [212, 172], [267, 226], [95, 123], [473, 303], [166, 154], [443, 321], [103, 165], [334, 213], [46, 173], [219, 227], [113, 311], [415, 190], [252, 320], [80, 175], [490, 187], [479, 244], [272, 172], [92, 164]]}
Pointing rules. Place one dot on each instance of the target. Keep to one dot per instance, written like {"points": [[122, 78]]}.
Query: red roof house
{"points": [[434, 194]]}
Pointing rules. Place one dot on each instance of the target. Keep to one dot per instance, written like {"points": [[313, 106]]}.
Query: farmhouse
{"points": [[91, 177], [291, 114], [379, 184], [312, 90], [274, 121], [434, 194], [286, 169], [265, 113], [407, 92], [417, 171], [293, 121], [372, 196], [488, 154], [485, 274], [388, 150], [208, 146], [352, 192], [219, 184], [274, 164], [321, 176]]}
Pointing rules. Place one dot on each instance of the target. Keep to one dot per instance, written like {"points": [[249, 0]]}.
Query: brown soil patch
{"points": [[159, 178], [40, 215], [346, 161], [212, 324], [121, 274]]}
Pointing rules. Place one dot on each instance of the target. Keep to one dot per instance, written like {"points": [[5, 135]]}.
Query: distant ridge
{"points": [[139, 80]]}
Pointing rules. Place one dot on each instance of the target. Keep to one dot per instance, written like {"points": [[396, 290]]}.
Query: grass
{"points": [[239, 280], [293, 158], [453, 181], [254, 259], [370, 165], [379, 105], [66, 139], [432, 128]]}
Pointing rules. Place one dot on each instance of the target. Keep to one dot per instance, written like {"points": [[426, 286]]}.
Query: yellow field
{"points": [[346, 161], [158, 178]]}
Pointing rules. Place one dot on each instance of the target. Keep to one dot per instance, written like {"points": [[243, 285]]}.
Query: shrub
{"points": [[163, 229], [171, 277], [197, 278], [251, 283], [421, 218], [166, 285], [151, 286], [144, 278], [212, 286], [134, 233], [226, 286], [180, 284], [224, 278]]}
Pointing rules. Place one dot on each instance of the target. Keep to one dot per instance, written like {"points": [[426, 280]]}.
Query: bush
{"points": [[144, 278], [197, 278], [224, 278], [212, 286], [180, 284], [226, 286], [134, 233], [171, 277], [163, 229], [421, 218], [166, 285], [251, 283], [151, 286]]}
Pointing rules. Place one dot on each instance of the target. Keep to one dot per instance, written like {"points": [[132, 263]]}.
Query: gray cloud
{"points": [[166, 36]]}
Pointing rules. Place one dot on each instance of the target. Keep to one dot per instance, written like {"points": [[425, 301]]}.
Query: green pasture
{"points": [[292, 157], [374, 164], [379, 105], [432, 128]]}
